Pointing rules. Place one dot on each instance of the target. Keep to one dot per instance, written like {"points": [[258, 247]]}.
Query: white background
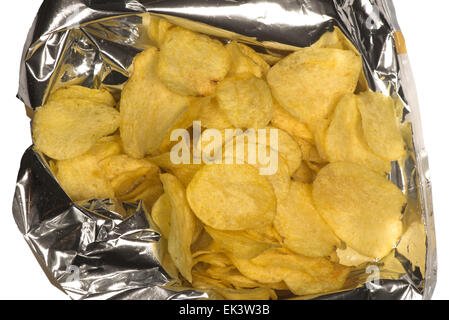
{"points": [[424, 26]]}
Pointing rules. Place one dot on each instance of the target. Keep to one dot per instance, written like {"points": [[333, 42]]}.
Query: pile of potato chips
{"points": [[225, 227]]}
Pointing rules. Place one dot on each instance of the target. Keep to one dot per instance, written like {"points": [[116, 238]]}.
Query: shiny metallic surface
{"points": [[89, 250]]}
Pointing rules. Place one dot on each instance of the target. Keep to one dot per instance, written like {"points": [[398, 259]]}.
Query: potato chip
{"points": [[302, 275], [161, 213], [345, 140], [217, 259], [247, 294], [351, 258], [288, 148], [217, 192], [211, 116], [82, 178], [184, 121], [182, 226], [126, 182], [202, 281], [301, 226], [98, 96], [148, 109], [265, 234], [238, 243], [319, 129], [309, 82], [380, 125], [304, 174], [116, 165], [184, 172], [285, 121], [246, 100], [330, 40], [148, 191], [202, 244], [361, 206], [270, 59], [233, 278], [165, 259], [245, 60], [133, 179], [192, 63], [157, 30], [277, 172], [65, 129]]}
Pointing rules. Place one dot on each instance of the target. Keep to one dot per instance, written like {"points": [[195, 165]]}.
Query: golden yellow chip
{"points": [[182, 226], [217, 259], [361, 206], [276, 167], [211, 116], [217, 192], [192, 63], [246, 60], [351, 258], [116, 165], [345, 140], [157, 30], [184, 121], [232, 277], [246, 100], [288, 148], [148, 110], [301, 226], [65, 129], [380, 125], [304, 174], [247, 294], [302, 275], [161, 213], [285, 121], [184, 172], [82, 178], [98, 96], [309, 82], [238, 243]]}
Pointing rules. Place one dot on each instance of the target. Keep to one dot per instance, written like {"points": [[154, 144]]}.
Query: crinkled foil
{"points": [[91, 252]]}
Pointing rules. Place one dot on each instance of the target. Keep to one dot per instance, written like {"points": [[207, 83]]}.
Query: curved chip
{"points": [[192, 63], [211, 116], [82, 178], [238, 243], [302, 275], [99, 96], [345, 140], [247, 294], [285, 121], [380, 125], [242, 150], [217, 192], [309, 82], [246, 101], [65, 129], [148, 110], [361, 206], [301, 226], [157, 30], [182, 226], [160, 213], [288, 148], [246, 60], [184, 172]]}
